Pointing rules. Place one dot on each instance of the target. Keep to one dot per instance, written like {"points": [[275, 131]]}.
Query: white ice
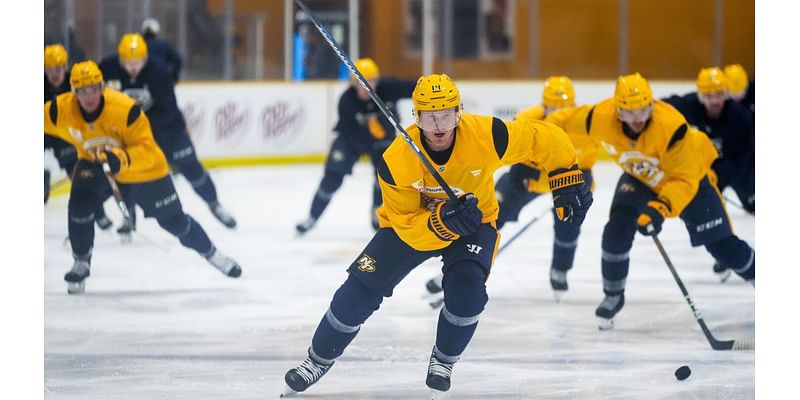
{"points": [[157, 322]]}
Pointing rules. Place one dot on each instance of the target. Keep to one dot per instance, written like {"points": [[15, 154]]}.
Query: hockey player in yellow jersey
{"points": [[667, 174], [523, 183], [418, 221], [108, 128]]}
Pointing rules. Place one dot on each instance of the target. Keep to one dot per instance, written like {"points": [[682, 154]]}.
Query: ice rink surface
{"points": [[158, 322]]}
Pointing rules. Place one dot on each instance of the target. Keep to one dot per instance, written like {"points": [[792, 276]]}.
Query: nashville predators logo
{"points": [[366, 264]]}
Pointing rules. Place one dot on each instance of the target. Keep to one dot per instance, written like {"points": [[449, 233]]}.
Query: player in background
{"points": [[161, 49], [667, 174], [108, 128], [56, 82], [418, 221], [361, 129], [523, 183], [730, 127], [742, 89], [150, 84]]}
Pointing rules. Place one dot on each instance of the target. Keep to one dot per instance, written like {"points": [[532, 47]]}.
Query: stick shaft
{"points": [[388, 113]]}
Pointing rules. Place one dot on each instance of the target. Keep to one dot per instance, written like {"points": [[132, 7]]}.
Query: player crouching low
{"points": [[108, 128]]}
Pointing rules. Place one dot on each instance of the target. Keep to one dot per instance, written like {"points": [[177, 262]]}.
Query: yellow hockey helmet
{"points": [[85, 73], [633, 92], [737, 78], [435, 92], [132, 47], [368, 68], [55, 55], [558, 92], [711, 80]]}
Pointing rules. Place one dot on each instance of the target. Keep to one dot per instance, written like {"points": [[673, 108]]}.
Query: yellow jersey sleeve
{"points": [[685, 164]]}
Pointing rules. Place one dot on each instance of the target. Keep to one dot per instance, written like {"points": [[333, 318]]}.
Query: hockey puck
{"points": [[683, 372]]}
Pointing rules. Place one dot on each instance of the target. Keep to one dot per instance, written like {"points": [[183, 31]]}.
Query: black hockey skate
{"points": [[439, 373], [305, 225], [225, 264], [125, 231], [76, 277], [558, 281], [607, 309], [222, 215], [722, 272], [306, 374], [103, 222]]}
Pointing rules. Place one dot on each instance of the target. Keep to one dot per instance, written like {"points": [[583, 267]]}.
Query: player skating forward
{"points": [[149, 82], [362, 129], [108, 128], [418, 221], [729, 125], [667, 173], [524, 182]]}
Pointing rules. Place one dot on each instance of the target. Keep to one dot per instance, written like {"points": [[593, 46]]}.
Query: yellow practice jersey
{"points": [[668, 156], [566, 118], [532, 113], [482, 145], [120, 124]]}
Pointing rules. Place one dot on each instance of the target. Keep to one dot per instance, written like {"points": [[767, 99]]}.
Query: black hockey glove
{"points": [[651, 219], [455, 218], [572, 197]]}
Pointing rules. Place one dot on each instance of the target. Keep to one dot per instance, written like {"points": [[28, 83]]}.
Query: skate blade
{"points": [[723, 276], [287, 392], [436, 304], [125, 238], [76, 287], [605, 324], [558, 295]]}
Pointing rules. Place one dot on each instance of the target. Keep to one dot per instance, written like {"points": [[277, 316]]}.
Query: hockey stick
{"points": [[736, 204], [435, 297], [741, 344], [388, 113], [123, 207], [522, 230]]}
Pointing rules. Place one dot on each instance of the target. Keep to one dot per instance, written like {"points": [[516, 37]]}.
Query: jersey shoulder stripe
{"points": [[500, 137], [384, 172], [679, 134]]}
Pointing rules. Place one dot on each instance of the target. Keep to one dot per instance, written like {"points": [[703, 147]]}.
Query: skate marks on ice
{"points": [[156, 325]]}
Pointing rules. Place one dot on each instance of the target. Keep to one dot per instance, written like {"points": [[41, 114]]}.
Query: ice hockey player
{"points": [[742, 89], [361, 129], [110, 131], [418, 221], [161, 49], [730, 127], [666, 173], [523, 183], [55, 83], [150, 84]]}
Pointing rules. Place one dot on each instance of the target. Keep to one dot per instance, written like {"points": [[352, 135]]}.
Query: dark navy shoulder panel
{"points": [[500, 137], [678, 135], [384, 173], [133, 114]]}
